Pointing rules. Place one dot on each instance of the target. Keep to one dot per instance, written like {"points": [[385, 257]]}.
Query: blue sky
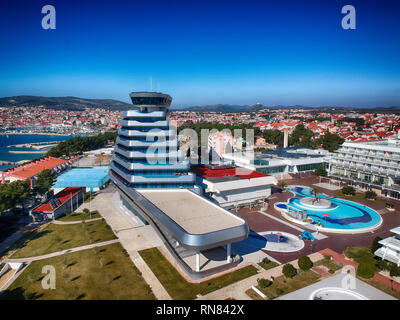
{"points": [[205, 52]]}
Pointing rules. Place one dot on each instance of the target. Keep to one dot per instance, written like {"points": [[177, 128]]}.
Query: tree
{"points": [[282, 184], [289, 271], [305, 263], [13, 193], [370, 195], [330, 142], [316, 192], [321, 172], [45, 181], [376, 245], [348, 190], [302, 137]]}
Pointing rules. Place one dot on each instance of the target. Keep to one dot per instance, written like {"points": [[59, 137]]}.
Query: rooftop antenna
{"points": [[151, 84]]}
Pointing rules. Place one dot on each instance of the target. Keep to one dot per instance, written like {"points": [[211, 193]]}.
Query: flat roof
{"points": [[193, 213], [226, 174]]}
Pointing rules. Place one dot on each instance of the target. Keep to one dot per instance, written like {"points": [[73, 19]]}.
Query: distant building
{"points": [[31, 170], [231, 187], [282, 161], [54, 207], [390, 249]]}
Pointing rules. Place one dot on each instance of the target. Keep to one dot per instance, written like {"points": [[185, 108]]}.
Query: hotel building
{"points": [[390, 249], [280, 162], [369, 165], [155, 184]]}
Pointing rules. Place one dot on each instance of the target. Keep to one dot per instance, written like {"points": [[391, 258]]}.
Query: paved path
{"points": [[280, 220], [59, 253], [76, 221], [237, 289]]}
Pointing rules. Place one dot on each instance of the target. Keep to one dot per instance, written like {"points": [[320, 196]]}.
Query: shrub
{"points": [[382, 264], [263, 283], [289, 271], [279, 291], [349, 190], [370, 195], [266, 260], [394, 270], [375, 244], [331, 271], [86, 210], [366, 270], [305, 263]]}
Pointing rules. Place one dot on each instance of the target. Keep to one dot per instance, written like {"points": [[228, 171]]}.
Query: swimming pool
{"points": [[83, 177], [341, 215]]}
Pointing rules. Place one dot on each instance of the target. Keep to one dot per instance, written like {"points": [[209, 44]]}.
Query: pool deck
{"points": [[259, 222]]}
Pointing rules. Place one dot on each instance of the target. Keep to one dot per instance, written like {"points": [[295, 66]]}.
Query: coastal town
{"points": [[350, 125]]}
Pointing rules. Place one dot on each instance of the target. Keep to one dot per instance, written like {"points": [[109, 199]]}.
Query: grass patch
{"points": [[268, 265], [107, 274], [282, 285], [76, 216], [253, 295], [382, 287], [327, 262], [348, 196], [360, 254], [56, 237], [177, 287]]}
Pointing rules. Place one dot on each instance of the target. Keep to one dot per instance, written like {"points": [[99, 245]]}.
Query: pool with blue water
{"points": [[342, 214], [83, 177]]}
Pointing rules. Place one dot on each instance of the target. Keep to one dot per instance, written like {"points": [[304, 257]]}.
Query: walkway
{"points": [[237, 289], [76, 221], [280, 220], [59, 253]]}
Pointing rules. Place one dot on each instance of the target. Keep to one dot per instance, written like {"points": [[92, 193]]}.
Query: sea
{"points": [[15, 139]]}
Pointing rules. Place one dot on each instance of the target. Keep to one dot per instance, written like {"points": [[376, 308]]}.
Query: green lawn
{"points": [[178, 287], [253, 295], [56, 237], [360, 254], [287, 285], [106, 273], [76, 216], [327, 262], [269, 265]]}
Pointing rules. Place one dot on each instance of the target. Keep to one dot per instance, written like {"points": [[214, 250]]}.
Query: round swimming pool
{"points": [[342, 215]]}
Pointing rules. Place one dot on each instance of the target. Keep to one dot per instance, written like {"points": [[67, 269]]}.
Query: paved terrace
{"points": [[259, 222]]}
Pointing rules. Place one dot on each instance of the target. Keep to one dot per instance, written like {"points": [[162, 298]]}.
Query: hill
{"points": [[65, 103]]}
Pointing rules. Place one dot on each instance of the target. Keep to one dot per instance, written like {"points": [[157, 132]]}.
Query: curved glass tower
{"points": [[146, 153]]}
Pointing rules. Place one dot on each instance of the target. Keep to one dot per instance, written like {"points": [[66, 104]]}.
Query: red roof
{"points": [[29, 170], [63, 196], [238, 172]]}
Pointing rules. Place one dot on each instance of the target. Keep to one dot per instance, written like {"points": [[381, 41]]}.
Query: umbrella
{"points": [[326, 215], [279, 236]]}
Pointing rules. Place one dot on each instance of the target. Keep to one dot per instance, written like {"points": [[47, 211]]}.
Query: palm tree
{"points": [[282, 184], [316, 192]]}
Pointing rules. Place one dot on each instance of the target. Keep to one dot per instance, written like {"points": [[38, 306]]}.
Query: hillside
{"points": [[66, 103]]}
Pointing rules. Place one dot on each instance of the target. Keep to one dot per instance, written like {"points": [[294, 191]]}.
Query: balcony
{"points": [[134, 143], [145, 166], [177, 178], [152, 133], [138, 114], [134, 123], [147, 155]]}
